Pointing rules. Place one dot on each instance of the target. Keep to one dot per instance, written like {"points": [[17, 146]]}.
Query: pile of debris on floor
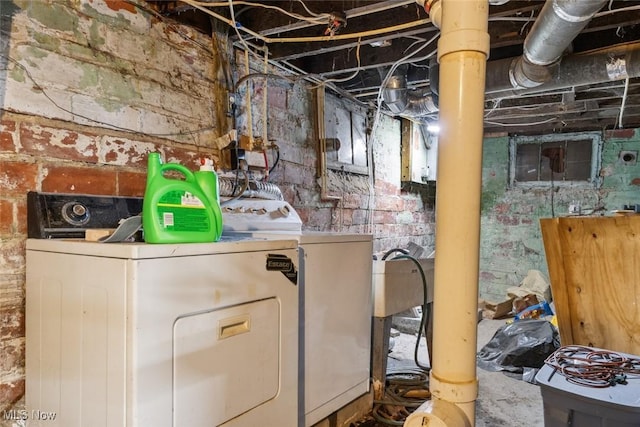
{"points": [[530, 300]]}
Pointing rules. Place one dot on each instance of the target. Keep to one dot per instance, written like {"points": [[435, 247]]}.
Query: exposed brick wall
{"points": [[146, 87], [403, 214], [395, 216], [70, 62], [511, 239], [45, 155]]}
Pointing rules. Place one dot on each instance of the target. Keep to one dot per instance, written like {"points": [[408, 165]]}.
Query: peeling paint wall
{"points": [[511, 240], [88, 88], [87, 63], [394, 215], [80, 85], [620, 179], [402, 214]]}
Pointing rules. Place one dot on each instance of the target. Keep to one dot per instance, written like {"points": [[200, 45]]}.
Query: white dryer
{"points": [[139, 335]]}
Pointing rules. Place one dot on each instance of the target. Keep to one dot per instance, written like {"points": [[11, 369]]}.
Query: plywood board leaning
{"points": [[594, 267]]}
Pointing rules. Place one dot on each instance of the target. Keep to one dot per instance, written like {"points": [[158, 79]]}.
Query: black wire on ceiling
{"points": [[170, 24]]}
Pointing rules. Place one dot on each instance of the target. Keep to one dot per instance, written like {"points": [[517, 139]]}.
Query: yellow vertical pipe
{"points": [[462, 53]]}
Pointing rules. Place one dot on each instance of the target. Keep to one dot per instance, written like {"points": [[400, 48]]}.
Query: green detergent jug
{"points": [[176, 210], [208, 181]]}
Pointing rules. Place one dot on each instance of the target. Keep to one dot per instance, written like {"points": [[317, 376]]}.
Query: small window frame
{"points": [[596, 149]]}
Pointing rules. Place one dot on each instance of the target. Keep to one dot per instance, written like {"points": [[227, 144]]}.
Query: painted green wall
{"points": [[511, 241]]}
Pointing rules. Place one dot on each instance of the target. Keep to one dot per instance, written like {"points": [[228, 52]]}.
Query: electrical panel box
{"points": [[346, 135]]}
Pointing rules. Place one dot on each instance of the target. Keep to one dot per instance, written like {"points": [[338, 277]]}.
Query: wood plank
{"points": [[381, 332], [599, 259], [555, 265]]}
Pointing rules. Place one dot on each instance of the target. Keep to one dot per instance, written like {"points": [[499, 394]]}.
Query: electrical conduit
{"points": [[462, 53]]}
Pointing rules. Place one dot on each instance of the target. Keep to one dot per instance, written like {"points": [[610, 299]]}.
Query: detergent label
{"points": [[180, 198], [182, 211], [167, 219], [189, 199]]}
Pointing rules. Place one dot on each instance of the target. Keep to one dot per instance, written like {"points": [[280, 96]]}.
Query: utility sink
{"points": [[397, 285]]}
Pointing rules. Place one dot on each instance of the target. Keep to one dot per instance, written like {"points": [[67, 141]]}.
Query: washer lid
{"points": [[138, 250]]}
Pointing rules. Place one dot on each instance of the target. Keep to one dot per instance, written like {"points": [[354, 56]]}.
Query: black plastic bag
{"points": [[519, 347]]}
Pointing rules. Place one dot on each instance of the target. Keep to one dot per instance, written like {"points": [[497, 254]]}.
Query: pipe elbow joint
{"points": [[525, 75], [395, 94], [437, 413], [434, 9], [399, 101]]}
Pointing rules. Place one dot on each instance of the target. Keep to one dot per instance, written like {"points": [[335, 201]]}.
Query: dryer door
{"points": [[226, 362]]}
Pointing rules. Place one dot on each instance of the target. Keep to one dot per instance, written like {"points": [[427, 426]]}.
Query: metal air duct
{"points": [[559, 22], [402, 101], [599, 66]]}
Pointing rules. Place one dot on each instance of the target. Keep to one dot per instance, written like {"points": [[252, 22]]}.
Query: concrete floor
{"points": [[502, 400]]}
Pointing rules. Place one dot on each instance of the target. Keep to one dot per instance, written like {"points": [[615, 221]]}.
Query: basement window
{"points": [[558, 159]]}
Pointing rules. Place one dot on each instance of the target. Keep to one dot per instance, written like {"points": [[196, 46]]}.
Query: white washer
{"points": [[139, 335], [336, 305], [337, 320]]}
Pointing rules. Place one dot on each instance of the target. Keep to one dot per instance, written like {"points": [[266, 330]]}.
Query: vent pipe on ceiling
{"points": [[559, 22], [598, 66], [401, 100]]}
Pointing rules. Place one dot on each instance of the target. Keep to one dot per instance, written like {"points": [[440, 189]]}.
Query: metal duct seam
{"points": [[395, 93], [421, 106], [600, 66], [404, 102], [559, 22], [523, 74]]}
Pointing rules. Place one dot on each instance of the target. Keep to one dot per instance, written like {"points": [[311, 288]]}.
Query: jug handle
{"points": [[189, 176]]}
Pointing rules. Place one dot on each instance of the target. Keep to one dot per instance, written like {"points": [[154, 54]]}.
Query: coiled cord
{"points": [[589, 367], [406, 390]]}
